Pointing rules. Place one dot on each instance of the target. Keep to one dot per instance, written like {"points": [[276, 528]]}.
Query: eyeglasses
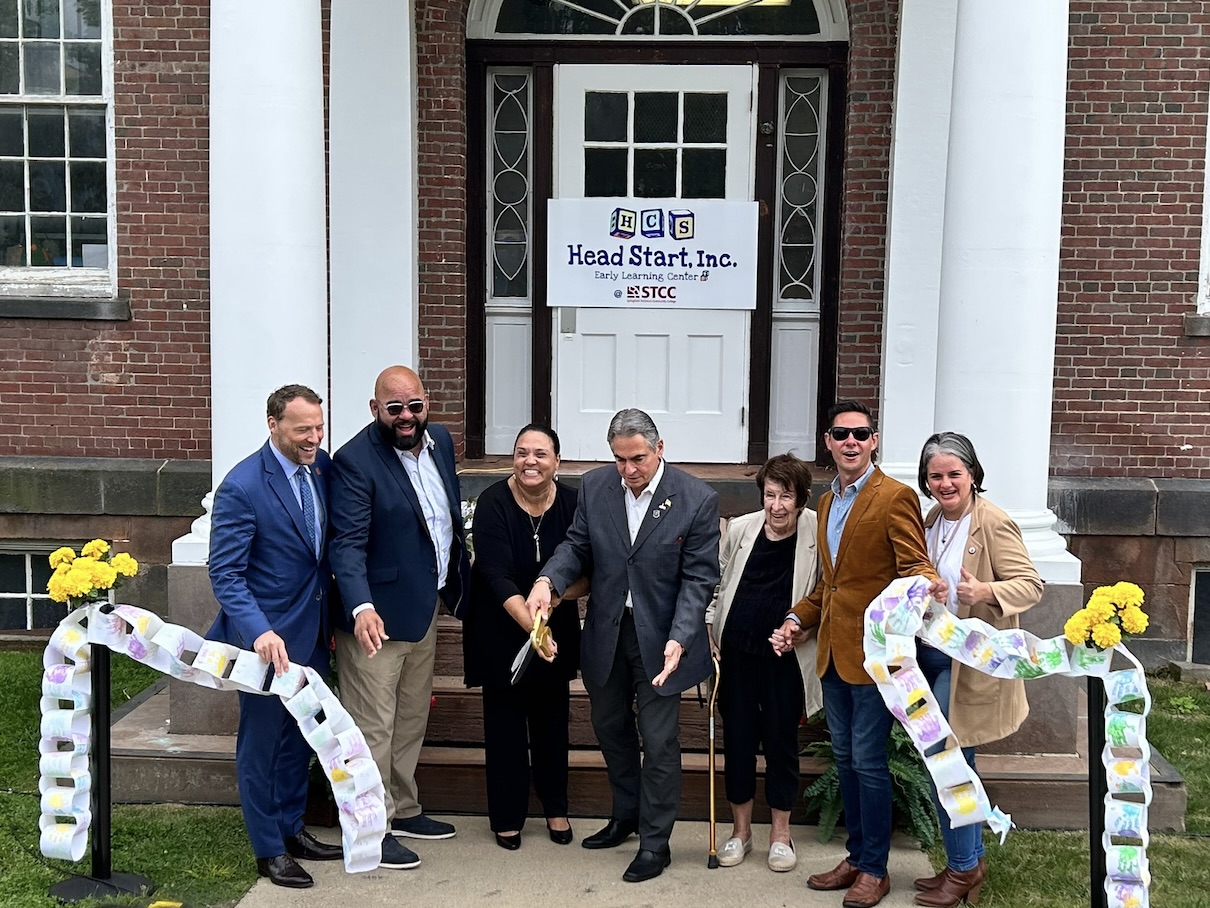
{"points": [[396, 407], [840, 433]]}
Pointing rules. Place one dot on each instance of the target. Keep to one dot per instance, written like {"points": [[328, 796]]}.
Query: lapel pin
{"points": [[971, 550]]}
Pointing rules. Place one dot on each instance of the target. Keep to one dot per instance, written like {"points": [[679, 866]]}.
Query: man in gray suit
{"points": [[649, 545]]}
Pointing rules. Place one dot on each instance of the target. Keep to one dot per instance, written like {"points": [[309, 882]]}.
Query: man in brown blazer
{"points": [[870, 532]]}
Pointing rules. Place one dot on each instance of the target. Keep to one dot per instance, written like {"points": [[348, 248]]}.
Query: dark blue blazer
{"points": [[263, 569], [381, 551]]}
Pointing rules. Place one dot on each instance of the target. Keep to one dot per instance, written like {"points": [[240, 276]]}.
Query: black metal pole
{"points": [[102, 812], [1097, 789]]}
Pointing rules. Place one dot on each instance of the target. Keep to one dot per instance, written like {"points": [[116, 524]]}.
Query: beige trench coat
{"points": [[983, 708], [733, 557]]}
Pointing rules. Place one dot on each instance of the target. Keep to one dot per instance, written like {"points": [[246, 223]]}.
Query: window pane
{"points": [[42, 69], [40, 571], [12, 241], [605, 114], [49, 241], [48, 613], [47, 186], [655, 173], [12, 186], [605, 172], [84, 69], [45, 132], [705, 173], [89, 243], [12, 575], [705, 117], [42, 19], [81, 19], [10, 68], [12, 141], [12, 615], [87, 186], [8, 18], [655, 115], [86, 133]]}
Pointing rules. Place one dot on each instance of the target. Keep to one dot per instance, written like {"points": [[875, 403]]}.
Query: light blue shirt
{"points": [[290, 468], [434, 502], [842, 504]]}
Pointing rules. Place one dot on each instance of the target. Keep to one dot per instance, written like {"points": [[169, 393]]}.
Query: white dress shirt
{"points": [[636, 507]]}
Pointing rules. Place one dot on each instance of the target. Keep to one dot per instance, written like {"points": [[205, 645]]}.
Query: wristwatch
{"points": [[550, 583]]}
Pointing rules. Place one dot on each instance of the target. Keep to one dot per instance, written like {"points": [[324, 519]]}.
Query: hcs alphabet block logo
{"points": [[654, 223], [622, 223]]}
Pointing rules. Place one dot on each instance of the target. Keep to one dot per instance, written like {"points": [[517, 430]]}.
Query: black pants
{"points": [[760, 700], [651, 791], [525, 726]]}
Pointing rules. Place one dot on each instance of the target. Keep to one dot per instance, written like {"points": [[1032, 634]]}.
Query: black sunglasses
{"points": [[396, 407], [861, 433]]}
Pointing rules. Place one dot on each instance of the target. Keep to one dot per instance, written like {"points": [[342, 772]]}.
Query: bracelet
{"points": [[549, 583]]}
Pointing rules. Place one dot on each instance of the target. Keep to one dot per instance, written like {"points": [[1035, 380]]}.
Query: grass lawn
{"points": [[199, 855]]}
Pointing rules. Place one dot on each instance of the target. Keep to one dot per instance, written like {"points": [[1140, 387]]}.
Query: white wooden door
{"points": [[659, 132]]}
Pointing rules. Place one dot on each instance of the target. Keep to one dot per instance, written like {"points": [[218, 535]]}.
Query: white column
{"points": [[372, 201], [1000, 259], [268, 260], [915, 217]]}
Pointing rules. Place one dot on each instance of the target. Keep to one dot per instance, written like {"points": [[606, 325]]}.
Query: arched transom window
{"points": [[804, 20]]}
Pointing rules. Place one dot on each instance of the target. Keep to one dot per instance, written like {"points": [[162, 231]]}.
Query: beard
{"points": [[389, 435]]}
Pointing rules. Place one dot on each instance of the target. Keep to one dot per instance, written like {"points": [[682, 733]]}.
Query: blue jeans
{"points": [[964, 845], [860, 723]]}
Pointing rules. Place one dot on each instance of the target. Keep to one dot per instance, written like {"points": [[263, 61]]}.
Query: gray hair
{"points": [[630, 422], [956, 445]]}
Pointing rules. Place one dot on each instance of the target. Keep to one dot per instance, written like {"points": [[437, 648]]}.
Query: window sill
{"points": [[65, 307], [1197, 324]]}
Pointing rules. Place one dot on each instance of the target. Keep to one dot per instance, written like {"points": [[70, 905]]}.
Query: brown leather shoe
{"points": [[841, 876], [867, 891], [924, 883], [957, 886]]}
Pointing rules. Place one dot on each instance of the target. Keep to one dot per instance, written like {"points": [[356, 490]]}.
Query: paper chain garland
{"points": [[905, 611], [66, 704]]}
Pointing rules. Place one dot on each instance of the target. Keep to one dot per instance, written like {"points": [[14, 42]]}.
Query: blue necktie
{"points": [[308, 504]]}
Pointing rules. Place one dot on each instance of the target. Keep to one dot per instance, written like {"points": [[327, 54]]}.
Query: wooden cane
{"points": [[712, 860]]}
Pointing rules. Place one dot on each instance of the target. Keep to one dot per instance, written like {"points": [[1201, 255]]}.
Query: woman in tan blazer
{"points": [[768, 562], [978, 549]]}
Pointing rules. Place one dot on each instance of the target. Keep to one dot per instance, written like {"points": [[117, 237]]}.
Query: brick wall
{"points": [[1131, 390], [139, 388], [441, 169]]}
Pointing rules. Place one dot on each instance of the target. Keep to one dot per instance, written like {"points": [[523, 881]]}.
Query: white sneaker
{"points": [[782, 857], [733, 851]]}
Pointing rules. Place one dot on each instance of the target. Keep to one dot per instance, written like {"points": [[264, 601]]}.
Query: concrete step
{"points": [[151, 765]]}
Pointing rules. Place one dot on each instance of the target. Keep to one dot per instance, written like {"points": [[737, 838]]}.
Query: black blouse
{"points": [[505, 566], [762, 597]]}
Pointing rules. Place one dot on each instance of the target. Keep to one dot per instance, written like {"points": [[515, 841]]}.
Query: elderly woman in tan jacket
{"points": [[768, 561], [978, 549]]}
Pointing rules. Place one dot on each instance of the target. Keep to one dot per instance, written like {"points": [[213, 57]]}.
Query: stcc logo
{"points": [[650, 292]]}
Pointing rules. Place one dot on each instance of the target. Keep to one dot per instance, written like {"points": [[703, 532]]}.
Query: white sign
{"points": [[651, 253]]}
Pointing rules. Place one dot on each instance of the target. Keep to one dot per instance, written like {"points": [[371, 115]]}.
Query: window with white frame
{"points": [[56, 173], [24, 603]]}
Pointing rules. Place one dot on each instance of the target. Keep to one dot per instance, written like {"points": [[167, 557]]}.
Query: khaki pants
{"points": [[388, 697]]}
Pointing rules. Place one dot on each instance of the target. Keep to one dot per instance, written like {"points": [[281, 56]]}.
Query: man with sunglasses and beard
{"points": [[870, 532], [397, 552]]}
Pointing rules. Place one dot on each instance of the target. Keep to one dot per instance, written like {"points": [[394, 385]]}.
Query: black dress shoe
{"points": [[283, 870], [614, 834], [306, 846], [511, 842], [647, 865], [560, 836]]}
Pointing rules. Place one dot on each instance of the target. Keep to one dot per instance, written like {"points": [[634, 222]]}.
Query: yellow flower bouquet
{"points": [[89, 576], [1112, 614]]}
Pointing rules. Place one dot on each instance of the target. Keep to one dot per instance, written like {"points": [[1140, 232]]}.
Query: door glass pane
{"points": [[655, 115], [12, 240], [605, 171], [47, 186], [605, 116], [705, 117], [654, 173], [45, 132], [705, 173], [42, 69]]}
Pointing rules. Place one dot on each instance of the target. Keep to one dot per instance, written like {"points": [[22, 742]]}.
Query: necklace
{"points": [[947, 527], [535, 525]]}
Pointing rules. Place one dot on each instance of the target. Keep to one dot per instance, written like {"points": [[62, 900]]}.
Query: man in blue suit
{"points": [[397, 551], [269, 572]]}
